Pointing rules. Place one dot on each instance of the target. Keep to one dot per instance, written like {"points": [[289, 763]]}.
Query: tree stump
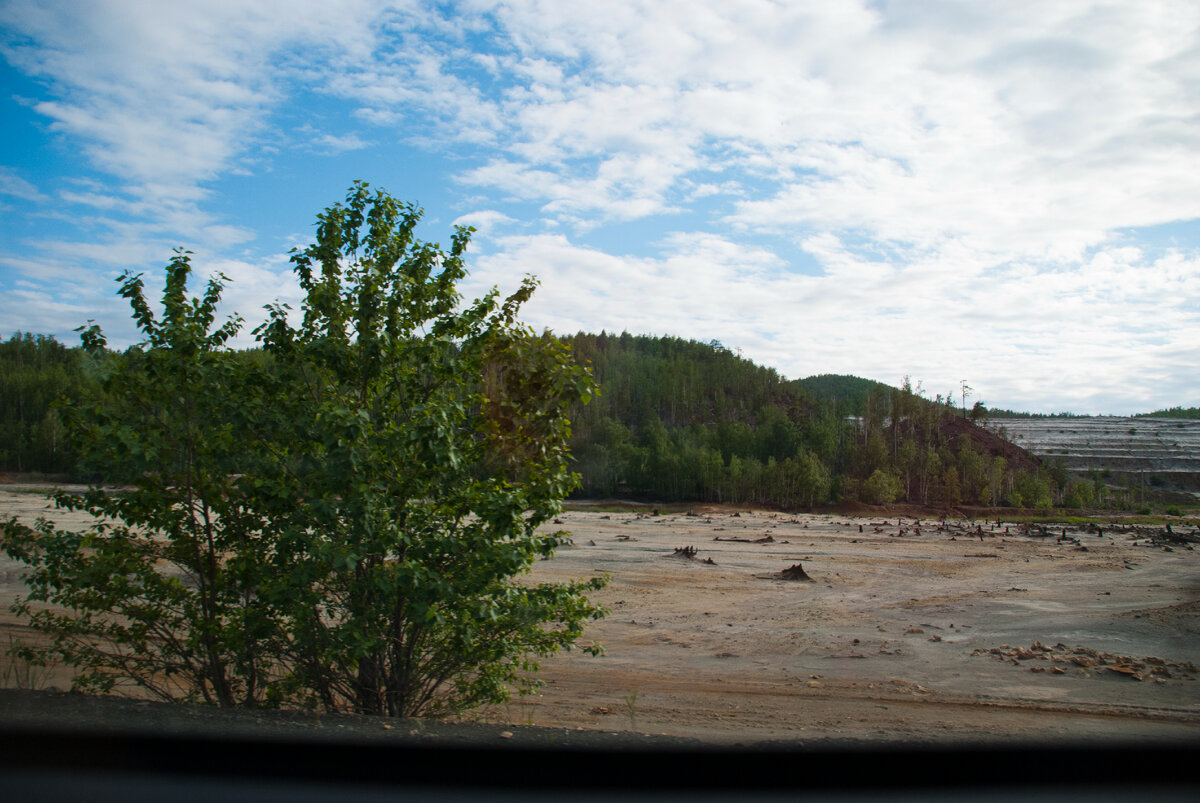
{"points": [[796, 573]]}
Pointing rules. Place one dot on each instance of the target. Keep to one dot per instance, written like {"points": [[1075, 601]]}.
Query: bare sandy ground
{"points": [[892, 639], [910, 632]]}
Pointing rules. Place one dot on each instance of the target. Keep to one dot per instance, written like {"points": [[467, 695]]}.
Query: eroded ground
{"points": [[908, 631]]}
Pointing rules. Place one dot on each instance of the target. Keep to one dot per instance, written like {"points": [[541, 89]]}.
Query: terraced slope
{"points": [[1165, 450]]}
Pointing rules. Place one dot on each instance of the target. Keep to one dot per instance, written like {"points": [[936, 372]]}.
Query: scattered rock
{"points": [[1127, 671], [1137, 668]]}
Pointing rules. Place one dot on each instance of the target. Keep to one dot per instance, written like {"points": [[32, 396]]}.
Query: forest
{"points": [[681, 420], [36, 374], [675, 420]]}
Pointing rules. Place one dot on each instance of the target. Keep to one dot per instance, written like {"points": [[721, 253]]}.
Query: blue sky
{"points": [[1007, 193]]}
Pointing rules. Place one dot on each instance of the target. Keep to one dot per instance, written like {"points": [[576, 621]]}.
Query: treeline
{"points": [[1173, 412], [35, 372], [676, 420], [688, 421], [993, 412], [1170, 412]]}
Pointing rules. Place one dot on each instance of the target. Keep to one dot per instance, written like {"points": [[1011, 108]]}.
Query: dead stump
{"points": [[689, 553], [795, 573]]}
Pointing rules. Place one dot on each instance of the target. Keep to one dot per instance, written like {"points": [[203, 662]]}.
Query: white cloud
{"points": [[12, 184], [964, 176], [485, 221], [1102, 339], [169, 96], [340, 144], [1027, 133], [1032, 134]]}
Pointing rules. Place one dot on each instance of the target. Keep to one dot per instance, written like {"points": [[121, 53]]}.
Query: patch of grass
{"points": [[26, 669], [631, 708]]}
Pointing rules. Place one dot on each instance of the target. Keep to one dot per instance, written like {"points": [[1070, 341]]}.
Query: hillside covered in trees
{"points": [[689, 421], [676, 420]]}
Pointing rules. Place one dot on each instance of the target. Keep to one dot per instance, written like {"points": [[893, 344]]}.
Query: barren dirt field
{"points": [[910, 631]]}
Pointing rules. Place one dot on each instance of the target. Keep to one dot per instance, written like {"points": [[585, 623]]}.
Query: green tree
{"points": [[881, 488], [159, 592], [36, 373], [428, 444], [1028, 490], [812, 482], [1080, 495], [342, 521]]}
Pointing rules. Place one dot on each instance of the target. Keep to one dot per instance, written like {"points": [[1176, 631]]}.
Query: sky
{"points": [[1002, 193]]}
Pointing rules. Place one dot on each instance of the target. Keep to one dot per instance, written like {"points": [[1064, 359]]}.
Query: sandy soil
{"points": [[908, 631]]}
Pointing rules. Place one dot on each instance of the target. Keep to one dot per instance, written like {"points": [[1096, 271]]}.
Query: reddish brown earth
{"points": [[907, 632]]}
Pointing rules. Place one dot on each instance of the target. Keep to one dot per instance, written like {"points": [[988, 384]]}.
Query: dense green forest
{"points": [[676, 420], [35, 372], [682, 420]]}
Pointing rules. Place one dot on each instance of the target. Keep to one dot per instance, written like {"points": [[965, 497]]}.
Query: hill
{"points": [[844, 388], [680, 420]]}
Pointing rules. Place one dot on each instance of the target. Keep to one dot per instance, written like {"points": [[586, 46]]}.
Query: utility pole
{"points": [[965, 390]]}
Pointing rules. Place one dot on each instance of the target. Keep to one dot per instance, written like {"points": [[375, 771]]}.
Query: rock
{"points": [[1127, 671]]}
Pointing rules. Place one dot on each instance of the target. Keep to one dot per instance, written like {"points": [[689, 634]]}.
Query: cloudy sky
{"points": [[1006, 193]]}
